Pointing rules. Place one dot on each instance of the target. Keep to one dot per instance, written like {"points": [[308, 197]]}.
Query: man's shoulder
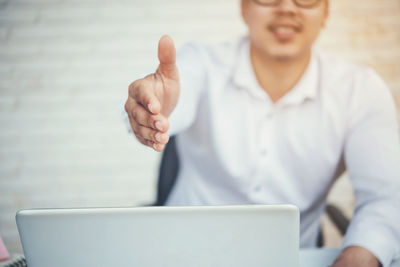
{"points": [[338, 72], [338, 68], [352, 81]]}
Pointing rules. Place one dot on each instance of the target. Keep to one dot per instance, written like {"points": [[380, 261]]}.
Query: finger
{"points": [[143, 92], [145, 141], [167, 58], [157, 147], [143, 117], [148, 133]]}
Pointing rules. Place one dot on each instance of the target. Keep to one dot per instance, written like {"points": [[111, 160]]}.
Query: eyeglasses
{"points": [[299, 3]]}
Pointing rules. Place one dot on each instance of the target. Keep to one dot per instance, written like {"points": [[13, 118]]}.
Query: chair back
{"points": [[168, 172]]}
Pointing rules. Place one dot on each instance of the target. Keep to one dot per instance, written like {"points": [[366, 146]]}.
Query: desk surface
{"points": [[323, 257]]}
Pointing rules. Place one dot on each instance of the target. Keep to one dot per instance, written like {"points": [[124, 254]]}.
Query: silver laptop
{"points": [[196, 236]]}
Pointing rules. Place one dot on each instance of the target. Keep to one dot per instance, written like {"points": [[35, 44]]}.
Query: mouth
{"points": [[284, 32]]}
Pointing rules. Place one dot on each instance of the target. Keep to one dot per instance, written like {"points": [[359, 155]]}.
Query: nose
{"points": [[287, 7]]}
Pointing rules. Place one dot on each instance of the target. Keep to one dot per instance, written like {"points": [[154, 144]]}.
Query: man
{"points": [[267, 119]]}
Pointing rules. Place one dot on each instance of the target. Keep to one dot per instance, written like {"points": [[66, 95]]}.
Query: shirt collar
{"points": [[244, 77]]}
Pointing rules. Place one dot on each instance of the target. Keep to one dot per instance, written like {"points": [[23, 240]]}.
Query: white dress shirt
{"points": [[238, 147]]}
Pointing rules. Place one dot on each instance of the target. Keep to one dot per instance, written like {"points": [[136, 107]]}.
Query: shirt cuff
{"points": [[124, 117], [377, 241]]}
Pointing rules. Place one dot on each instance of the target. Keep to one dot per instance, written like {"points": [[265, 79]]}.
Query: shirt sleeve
{"points": [[372, 156], [191, 61], [124, 116]]}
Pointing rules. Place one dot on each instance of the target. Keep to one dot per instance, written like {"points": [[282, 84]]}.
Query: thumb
{"points": [[167, 58]]}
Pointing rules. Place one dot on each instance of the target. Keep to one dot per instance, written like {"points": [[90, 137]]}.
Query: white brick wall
{"points": [[65, 66]]}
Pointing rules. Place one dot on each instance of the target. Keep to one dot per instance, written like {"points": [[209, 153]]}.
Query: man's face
{"points": [[283, 31]]}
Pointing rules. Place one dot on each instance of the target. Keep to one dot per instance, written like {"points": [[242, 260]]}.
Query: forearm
{"points": [[355, 256]]}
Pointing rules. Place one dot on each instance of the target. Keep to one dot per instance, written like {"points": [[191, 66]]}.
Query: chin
{"points": [[284, 56], [285, 53]]}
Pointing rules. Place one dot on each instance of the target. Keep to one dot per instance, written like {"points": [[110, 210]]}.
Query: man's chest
{"points": [[246, 135]]}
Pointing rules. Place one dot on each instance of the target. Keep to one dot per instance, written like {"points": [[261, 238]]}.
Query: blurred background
{"points": [[65, 66]]}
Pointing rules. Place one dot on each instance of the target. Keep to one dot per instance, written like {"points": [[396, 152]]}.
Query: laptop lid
{"points": [[196, 236]]}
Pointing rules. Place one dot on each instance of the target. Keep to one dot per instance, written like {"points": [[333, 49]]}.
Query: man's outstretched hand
{"points": [[152, 99]]}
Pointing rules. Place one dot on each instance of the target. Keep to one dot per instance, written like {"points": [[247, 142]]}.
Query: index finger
{"points": [[143, 92]]}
